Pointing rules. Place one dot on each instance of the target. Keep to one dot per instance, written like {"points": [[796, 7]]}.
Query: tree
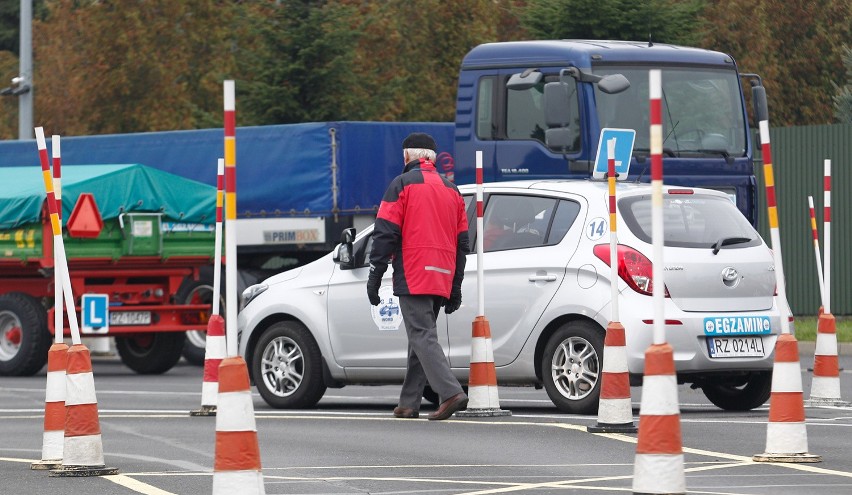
{"points": [[795, 45], [843, 98], [664, 21]]}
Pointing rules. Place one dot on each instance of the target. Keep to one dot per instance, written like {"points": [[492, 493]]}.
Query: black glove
{"points": [[454, 302], [374, 281]]}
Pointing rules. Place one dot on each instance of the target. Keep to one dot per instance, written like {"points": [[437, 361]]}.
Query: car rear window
{"points": [[690, 220]]}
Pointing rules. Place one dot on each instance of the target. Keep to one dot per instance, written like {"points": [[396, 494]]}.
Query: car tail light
{"points": [[633, 267], [680, 191]]}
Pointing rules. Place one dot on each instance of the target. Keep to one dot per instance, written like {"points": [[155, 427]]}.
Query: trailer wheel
{"points": [[197, 292], [24, 338], [150, 353]]}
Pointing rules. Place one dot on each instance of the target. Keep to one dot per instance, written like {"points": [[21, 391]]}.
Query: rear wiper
{"points": [[727, 241]]}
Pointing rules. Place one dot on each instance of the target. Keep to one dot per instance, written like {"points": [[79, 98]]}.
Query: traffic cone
{"points": [[83, 453], [214, 353], [482, 384], [786, 435], [825, 387], [237, 465], [659, 452], [54, 408], [615, 413]]}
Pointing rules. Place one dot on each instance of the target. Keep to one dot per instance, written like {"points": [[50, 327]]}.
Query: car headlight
{"points": [[252, 292]]}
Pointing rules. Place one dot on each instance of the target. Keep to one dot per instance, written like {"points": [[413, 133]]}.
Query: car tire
{"points": [[24, 338], [743, 394], [287, 367], [571, 367], [197, 292], [150, 353]]}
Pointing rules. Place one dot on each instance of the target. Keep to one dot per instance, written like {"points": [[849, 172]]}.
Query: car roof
{"points": [[584, 187]]}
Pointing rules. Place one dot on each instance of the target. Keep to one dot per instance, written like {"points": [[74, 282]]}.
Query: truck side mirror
{"points": [[525, 80], [343, 251], [761, 107], [613, 83], [557, 116]]}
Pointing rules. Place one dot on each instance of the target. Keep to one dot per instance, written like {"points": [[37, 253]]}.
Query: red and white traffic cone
{"points": [[54, 409], [825, 387], [482, 383], [83, 453], [214, 353], [658, 467], [615, 412], [786, 435], [237, 464]]}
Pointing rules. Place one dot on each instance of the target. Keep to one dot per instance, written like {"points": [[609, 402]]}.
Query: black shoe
{"points": [[450, 406]]}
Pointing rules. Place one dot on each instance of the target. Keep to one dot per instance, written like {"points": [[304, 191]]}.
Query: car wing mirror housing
{"points": [[343, 252]]}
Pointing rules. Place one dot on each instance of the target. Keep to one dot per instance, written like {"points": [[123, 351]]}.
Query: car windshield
{"points": [[692, 221], [702, 110]]}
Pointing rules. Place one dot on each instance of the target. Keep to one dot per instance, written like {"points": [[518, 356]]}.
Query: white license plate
{"points": [[129, 318], [733, 347]]}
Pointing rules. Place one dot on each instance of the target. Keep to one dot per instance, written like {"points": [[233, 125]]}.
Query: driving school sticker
{"points": [[596, 228], [387, 315]]}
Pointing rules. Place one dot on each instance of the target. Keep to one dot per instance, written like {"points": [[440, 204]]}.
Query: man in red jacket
{"points": [[421, 228]]}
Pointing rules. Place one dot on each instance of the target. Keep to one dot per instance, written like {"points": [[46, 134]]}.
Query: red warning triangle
{"points": [[85, 221]]}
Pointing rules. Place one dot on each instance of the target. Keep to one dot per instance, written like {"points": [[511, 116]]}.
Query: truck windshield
{"points": [[702, 110]]}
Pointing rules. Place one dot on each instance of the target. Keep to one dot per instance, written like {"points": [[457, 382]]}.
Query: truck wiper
{"points": [[727, 241], [666, 151], [723, 153]]}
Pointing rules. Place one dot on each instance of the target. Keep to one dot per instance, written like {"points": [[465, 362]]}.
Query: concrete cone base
{"points": [[483, 413], [817, 401], [45, 465], [800, 458], [204, 411], [612, 428], [81, 471]]}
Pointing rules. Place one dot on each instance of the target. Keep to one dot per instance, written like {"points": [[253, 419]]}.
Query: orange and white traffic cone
{"points": [[83, 453], [482, 383], [825, 387], [214, 353], [786, 435], [237, 465], [658, 467], [54, 409], [615, 412]]}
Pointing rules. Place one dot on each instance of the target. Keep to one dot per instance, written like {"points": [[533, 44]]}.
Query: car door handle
{"points": [[542, 278]]}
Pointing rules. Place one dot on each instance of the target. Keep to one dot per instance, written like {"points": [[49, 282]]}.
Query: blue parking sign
{"points": [[95, 313], [624, 139]]}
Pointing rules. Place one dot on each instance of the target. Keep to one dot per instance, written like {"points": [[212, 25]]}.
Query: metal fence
{"points": [[798, 154]]}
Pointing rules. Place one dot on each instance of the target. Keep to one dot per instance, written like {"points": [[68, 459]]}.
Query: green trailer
{"points": [[138, 235]]}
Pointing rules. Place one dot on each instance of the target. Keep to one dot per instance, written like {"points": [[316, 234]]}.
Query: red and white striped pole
{"points": [[482, 382], [237, 466], [815, 234], [825, 387], [658, 466], [214, 344], [615, 412], [786, 435], [82, 450], [57, 356]]}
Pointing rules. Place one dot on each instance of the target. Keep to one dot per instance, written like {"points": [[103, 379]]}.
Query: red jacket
{"points": [[422, 228]]}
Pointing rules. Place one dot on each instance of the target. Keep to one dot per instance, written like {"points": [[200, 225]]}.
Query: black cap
{"points": [[419, 140]]}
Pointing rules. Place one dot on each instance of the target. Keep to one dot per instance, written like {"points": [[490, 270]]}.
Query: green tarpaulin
{"points": [[117, 189]]}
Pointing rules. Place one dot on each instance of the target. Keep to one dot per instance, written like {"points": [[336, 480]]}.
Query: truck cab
{"points": [[536, 109]]}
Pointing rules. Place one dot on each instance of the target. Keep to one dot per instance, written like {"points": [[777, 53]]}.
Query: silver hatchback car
{"points": [[547, 298]]}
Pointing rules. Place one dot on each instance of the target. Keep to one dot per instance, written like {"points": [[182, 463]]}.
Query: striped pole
{"points": [[786, 435], [658, 467], [214, 345], [482, 383], [82, 446], [237, 467], [825, 387], [815, 235], [57, 356], [615, 413]]}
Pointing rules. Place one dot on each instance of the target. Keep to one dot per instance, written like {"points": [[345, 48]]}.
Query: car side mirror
{"points": [[343, 251]]}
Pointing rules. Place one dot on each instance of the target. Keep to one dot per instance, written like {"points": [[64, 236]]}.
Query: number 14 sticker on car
{"points": [[624, 139]]}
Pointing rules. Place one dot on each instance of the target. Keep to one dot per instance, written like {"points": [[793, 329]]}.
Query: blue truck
{"points": [[534, 108]]}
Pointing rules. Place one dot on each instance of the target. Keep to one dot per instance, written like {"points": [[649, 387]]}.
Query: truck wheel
{"points": [[24, 338], [287, 367], [197, 292], [740, 394], [571, 367], [150, 353]]}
